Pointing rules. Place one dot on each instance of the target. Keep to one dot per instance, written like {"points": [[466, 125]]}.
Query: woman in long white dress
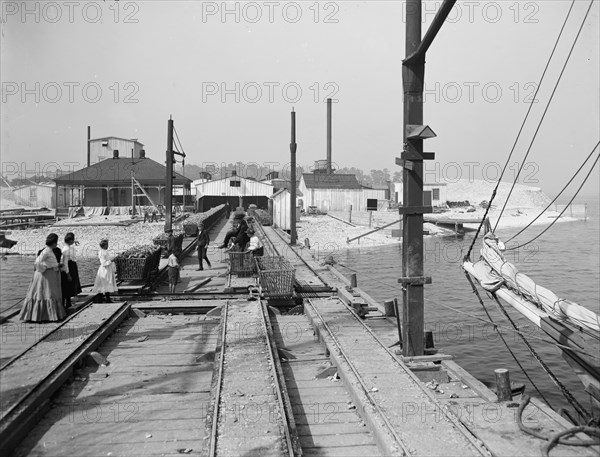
{"points": [[106, 278], [44, 297]]}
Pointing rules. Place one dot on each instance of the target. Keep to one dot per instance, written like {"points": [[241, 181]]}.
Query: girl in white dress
{"points": [[106, 278]]}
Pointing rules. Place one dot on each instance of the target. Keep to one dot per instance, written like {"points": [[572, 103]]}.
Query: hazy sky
{"points": [[230, 79]]}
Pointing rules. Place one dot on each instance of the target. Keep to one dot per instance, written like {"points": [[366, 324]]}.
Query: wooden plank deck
{"points": [[250, 421], [329, 424], [151, 398]]}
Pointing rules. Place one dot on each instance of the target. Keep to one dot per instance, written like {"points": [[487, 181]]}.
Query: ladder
{"points": [[143, 194]]}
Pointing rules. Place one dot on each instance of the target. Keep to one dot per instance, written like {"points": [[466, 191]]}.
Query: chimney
{"points": [[89, 145], [328, 136], [115, 154], [142, 153]]}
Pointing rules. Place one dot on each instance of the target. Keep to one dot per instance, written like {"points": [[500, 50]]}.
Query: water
{"points": [[16, 273], [566, 259]]}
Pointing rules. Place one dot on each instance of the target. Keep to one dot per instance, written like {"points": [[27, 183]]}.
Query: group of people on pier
{"points": [[56, 275], [56, 279]]}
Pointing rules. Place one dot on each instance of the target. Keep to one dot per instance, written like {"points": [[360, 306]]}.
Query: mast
{"points": [[413, 73]]}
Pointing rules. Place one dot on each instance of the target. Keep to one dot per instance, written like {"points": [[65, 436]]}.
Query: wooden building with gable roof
{"points": [[108, 183]]}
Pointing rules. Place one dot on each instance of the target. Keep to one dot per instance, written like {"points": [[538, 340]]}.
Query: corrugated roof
{"points": [[332, 181], [111, 171]]}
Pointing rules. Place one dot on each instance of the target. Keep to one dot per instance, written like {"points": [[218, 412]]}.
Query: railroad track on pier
{"points": [[248, 367]]}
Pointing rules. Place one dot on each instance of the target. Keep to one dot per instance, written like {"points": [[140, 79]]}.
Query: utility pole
{"points": [[413, 74], [293, 147], [169, 188]]}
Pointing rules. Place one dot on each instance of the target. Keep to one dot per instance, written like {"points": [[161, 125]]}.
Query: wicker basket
{"points": [[241, 264], [276, 276], [164, 243], [137, 269], [190, 229]]}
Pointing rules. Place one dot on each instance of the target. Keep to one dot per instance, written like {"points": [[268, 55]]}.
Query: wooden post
{"points": [[412, 233], [504, 391], [429, 340], [397, 311], [390, 308], [350, 214], [353, 280], [370, 218], [293, 148], [132, 196], [169, 187], [89, 145]]}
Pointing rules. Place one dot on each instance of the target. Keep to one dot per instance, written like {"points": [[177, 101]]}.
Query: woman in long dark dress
{"points": [[44, 296], [70, 283]]}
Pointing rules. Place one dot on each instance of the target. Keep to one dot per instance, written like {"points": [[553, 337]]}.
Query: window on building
{"points": [[371, 204], [436, 193], [235, 183]]}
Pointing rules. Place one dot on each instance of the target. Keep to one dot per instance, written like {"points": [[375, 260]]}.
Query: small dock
{"points": [[214, 370]]}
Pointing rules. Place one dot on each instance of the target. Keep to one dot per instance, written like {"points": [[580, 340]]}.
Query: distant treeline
{"points": [[260, 172]]}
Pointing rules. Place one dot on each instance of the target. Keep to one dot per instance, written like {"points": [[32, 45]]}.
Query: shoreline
{"points": [[324, 233]]}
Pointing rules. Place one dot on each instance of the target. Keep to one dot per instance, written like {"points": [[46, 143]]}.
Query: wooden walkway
{"points": [[327, 419], [151, 398], [250, 421]]}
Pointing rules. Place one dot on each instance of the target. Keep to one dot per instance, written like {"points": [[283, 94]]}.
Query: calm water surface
{"points": [[565, 259]]}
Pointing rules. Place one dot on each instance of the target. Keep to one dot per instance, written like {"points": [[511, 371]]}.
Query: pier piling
{"points": [[504, 391]]}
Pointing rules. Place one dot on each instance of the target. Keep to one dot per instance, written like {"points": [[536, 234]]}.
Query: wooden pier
{"points": [[212, 371]]}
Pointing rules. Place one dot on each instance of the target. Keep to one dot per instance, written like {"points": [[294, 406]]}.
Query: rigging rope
{"points": [[519, 133], [557, 196], [182, 152], [472, 316], [562, 212], [476, 292], [544, 113], [568, 395], [556, 438]]}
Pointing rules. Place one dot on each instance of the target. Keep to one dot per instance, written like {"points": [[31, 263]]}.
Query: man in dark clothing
{"points": [[171, 241], [238, 233], [202, 241]]}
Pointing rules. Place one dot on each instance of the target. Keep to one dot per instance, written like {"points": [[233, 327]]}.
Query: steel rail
{"points": [[277, 378], [364, 387], [58, 327], [212, 447], [445, 411]]}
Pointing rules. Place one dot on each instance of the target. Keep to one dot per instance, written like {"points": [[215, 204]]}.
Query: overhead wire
{"points": [[557, 196], [465, 313], [562, 212], [489, 206], [541, 121]]}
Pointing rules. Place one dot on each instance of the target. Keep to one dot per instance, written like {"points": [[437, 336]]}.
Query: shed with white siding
{"points": [[235, 190], [337, 192], [103, 148], [282, 208], [37, 195]]}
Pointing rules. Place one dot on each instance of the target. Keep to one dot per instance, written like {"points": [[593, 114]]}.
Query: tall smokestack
{"points": [[328, 136], [89, 145]]}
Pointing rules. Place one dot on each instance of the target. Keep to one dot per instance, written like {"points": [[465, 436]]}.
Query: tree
{"points": [[397, 176]]}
